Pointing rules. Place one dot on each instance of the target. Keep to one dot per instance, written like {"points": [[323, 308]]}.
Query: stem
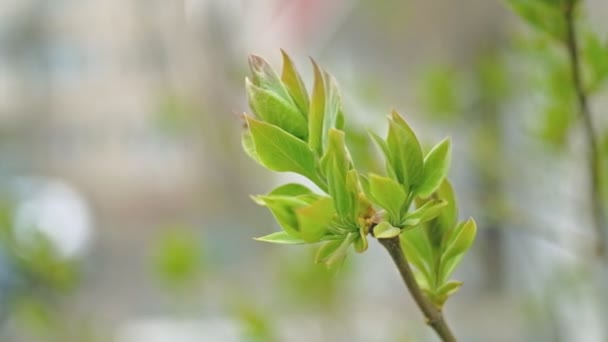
{"points": [[595, 198], [434, 316]]}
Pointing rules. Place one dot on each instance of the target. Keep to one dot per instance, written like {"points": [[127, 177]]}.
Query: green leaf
{"points": [[264, 76], [385, 231], [313, 220], [273, 109], [449, 288], [317, 111], [281, 151], [404, 148], [283, 208], [436, 166], [382, 145], [281, 238], [327, 250], [460, 243], [336, 164], [388, 194], [449, 214], [334, 116], [334, 254], [249, 146], [418, 251], [294, 84], [441, 295], [427, 212], [361, 241], [291, 189]]}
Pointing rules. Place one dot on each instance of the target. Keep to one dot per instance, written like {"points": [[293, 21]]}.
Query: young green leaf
{"points": [[317, 111], [283, 208], [327, 250], [273, 109], [361, 241], [294, 84], [281, 238], [449, 288], [385, 231], [382, 145], [249, 146], [436, 166], [264, 76], [334, 116], [418, 251], [404, 148], [427, 212], [291, 189], [388, 194], [457, 247], [449, 214], [281, 151], [338, 254], [314, 219], [335, 164]]}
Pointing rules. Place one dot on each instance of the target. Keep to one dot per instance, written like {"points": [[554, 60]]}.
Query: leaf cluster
{"points": [[292, 131]]}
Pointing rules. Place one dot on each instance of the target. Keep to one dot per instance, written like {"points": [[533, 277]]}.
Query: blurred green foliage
{"points": [[441, 91], [178, 258]]}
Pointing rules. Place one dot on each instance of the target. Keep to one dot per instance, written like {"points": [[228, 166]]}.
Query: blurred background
{"points": [[124, 193]]}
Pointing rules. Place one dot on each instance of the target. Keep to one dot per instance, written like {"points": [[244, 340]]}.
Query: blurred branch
{"points": [[433, 315], [597, 213]]}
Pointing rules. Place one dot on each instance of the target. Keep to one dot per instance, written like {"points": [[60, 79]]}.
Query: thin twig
{"points": [[434, 316], [597, 212]]}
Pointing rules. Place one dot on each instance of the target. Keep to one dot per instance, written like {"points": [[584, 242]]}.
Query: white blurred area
{"points": [[55, 210], [166, 330]]}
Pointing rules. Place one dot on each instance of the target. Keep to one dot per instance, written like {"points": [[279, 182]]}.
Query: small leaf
{"points": [[273, 109], [406, 155], [449, 214], [283, 209], [264, 76], [418, 251], [334, 116], [249, 146], [388, 194], [317, 111], [449, 288], [340, 253], [281, 151], [385, 231], [291, 189], [458, 246], [294, 84], [313, 220], [361, 241], [336, 164], [436, 166], [281, 238], [427, 212], [326, 250]]}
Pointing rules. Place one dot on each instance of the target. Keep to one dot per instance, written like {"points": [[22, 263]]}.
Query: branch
{"points": [[434, 316], [595, 198]]}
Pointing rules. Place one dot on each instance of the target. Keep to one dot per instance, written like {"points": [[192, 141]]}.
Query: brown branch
{"points": [[434, 316], [595, 198]]}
